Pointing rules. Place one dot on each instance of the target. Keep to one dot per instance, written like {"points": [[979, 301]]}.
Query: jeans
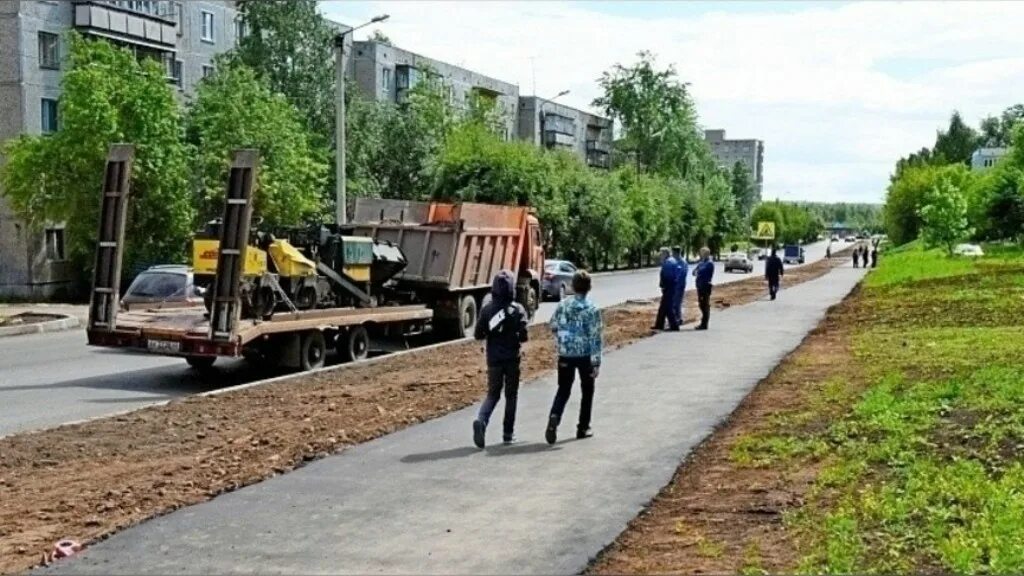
{"points": [[667, 309], [773, 287], [567, 368], [503, 375], [704, 301]]}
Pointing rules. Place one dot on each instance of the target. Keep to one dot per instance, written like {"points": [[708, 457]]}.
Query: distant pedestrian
{"points": [[828, 252], [856, 257], [704, 271], [682, 269], [503, 323], [874, 256], [773, 272], [577, 326], [667, 282]]}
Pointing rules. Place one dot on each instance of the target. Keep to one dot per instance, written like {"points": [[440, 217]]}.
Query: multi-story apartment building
{"points": [[552, 125], [185, 35], [386, 73], [748, 152]]}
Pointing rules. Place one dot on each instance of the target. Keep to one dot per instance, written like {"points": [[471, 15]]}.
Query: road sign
{"points": [[765, 231]]}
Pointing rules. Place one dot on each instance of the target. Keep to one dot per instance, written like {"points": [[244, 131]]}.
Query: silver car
{"points": [[739, 261], [557, 279], [165, 286]]}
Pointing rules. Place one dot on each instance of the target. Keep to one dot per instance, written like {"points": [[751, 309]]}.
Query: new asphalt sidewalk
{"points": [[423, 500]]}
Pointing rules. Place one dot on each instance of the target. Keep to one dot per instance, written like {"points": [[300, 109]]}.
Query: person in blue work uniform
{"points": [[577, 326], [681, 270], [667, 280], [503, 322], [704, 271]]}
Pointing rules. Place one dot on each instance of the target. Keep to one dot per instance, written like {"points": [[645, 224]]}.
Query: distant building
{"points": [[728, 152], [984, 158], [552, 125], [387, 73], [184, 35]]}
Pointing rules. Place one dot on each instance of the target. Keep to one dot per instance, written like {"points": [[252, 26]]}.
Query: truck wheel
{"points": [[312, 350], [467, 316], [356, 344], [531, 302], [201, 362]]}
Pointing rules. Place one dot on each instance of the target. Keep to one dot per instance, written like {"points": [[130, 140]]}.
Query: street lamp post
{"points": [[341, 199], [540, 112]]}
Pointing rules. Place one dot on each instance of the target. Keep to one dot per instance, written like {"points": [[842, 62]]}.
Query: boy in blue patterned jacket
{"points": [[577, 326]]}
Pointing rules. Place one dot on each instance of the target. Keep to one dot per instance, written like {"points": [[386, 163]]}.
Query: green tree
{"points": [[997, 131], [957, 143], [107, 96], [236, 109], [905, 198], [742, 189], [944, 216], [290, 46]]}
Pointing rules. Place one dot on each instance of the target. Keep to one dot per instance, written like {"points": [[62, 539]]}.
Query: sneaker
{"points": [[582, 433], [479, 429], [551, 434]]}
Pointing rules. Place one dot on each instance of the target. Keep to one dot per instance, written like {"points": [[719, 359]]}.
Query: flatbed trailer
{"points": [[297, 339]]}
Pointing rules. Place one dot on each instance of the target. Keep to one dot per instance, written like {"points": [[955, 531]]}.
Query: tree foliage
{"points": [[944, 215], [107, 96], [906, 196], [743, 192], [957, 143], [236, 109]]}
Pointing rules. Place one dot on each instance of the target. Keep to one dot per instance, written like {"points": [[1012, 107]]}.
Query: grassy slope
{"points": [[922, 443]]}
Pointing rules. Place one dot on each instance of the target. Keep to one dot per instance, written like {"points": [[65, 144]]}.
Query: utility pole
{"points": [[341, 175]]}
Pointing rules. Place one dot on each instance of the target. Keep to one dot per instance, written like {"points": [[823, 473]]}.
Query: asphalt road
{"points": [[51, 379]]}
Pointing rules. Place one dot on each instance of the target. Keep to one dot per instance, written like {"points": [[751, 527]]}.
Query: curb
{"points": [[58, 325]]}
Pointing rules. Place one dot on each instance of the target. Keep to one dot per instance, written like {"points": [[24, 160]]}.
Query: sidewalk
{"points": [[423, 500]]}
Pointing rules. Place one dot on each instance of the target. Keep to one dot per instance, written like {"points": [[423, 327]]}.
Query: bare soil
{"points": [[86, 481], [718, 516]]}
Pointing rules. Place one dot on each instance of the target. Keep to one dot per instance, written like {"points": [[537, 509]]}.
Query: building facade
{"points": [[750, 153], [985, 158], [184, 35], [386, 73], [556, 126]]}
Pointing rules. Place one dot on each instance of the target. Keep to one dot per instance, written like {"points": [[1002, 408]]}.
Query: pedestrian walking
{"points": [[681, 271], [874, 256], [503, 323], [773, 272], [667, 282], [577, 326], [856, 257], [828, 251], [704, 271]]}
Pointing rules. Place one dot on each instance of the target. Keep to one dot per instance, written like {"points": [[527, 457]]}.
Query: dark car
{"points": [[168, 286], [557, 279]]}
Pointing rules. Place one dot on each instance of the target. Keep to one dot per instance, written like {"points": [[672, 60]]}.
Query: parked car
{"points": [[849, 239], [760, 253], [171, 285], [739, 261], [557, 279], [835, 238], [972, 250]]}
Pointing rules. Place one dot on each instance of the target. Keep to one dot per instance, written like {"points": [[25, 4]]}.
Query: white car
{"points": [[972, 250], [739, 261]]}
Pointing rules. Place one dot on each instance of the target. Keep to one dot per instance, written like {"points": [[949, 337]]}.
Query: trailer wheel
{"points": [[356, 344], [312, 350], [467, 316], [201, 362]]}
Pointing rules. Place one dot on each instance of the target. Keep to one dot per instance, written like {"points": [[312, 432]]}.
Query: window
{"points": [[48, 113], [49, 50], [55, 244], [207, 70], [241, 30], [385, 79], [179, 17], [177, 68], [207, 32]]}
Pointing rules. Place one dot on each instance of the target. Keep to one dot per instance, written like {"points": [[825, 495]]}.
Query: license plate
{"points": [[164, 346]]}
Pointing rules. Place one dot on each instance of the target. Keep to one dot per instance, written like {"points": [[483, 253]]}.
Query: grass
{"points": [[920, 440]]}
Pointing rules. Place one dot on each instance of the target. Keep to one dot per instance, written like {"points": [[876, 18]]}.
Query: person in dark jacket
{"points": [[503, 323], [704, 271], [681, 271], [874, 256], [773, 272], [856, 257], [667, 281]]}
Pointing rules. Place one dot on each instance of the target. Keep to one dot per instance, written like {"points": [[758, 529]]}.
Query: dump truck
{"points": [[453, 251], [243, 317]]}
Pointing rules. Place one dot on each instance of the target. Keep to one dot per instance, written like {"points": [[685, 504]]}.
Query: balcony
{"points": [[598, 159], [114, 21], [601, 146]]}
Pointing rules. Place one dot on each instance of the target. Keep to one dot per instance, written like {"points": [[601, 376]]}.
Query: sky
{"points": [[838, 91]]}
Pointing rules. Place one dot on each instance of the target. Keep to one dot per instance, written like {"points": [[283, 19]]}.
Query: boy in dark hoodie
{"points": [[503, 323]]}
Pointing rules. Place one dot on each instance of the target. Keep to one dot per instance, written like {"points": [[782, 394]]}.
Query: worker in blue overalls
{"points": [[681, 271]]}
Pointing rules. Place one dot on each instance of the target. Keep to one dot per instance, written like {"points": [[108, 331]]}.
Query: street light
{"points": [[540, 112], [341, 199]]}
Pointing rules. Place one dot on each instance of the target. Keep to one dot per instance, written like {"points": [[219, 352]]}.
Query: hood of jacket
{"points": [[503, 288]]}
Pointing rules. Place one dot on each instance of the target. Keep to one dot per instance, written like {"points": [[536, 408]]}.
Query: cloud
{"points": [[837, 91]]}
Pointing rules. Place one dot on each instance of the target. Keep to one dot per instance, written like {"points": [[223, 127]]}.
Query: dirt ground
{"points": [[89, 480], [718, 517]]}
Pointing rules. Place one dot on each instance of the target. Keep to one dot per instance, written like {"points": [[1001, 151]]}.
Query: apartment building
{"points": [[386, 73], [985, 158], [185, 35], [557, 126], [749, 152]]}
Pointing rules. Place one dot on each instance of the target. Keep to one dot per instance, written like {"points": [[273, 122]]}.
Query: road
{"points": [[51, 379]]}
